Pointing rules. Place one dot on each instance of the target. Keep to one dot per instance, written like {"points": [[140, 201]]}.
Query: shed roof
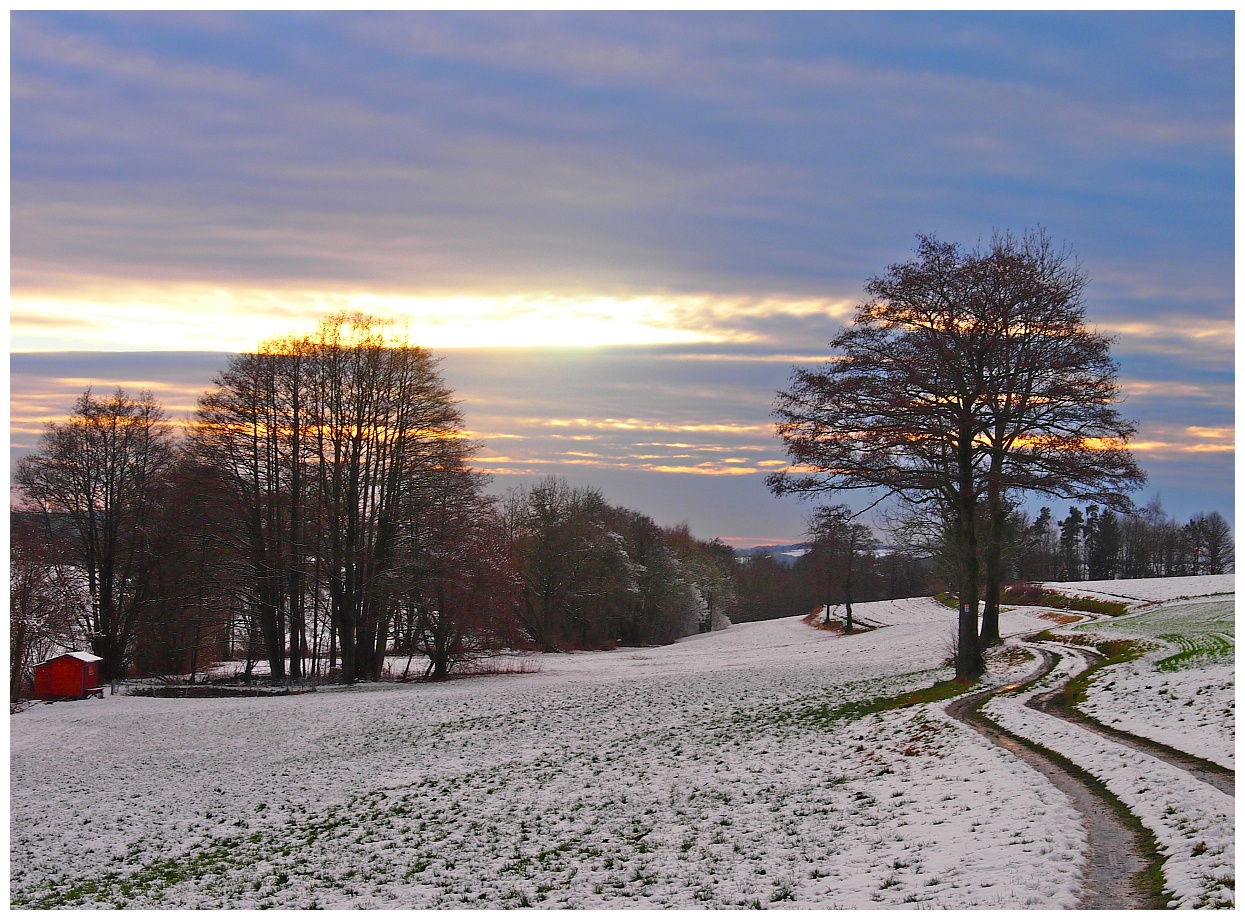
{"points": [[81, 656]]}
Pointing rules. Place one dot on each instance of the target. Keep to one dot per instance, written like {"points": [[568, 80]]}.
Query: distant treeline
{"points": [[1099, 544], [1089, 544], [320, 514]]}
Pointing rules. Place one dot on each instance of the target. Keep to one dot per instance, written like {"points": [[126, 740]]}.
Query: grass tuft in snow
{"points": [[827, 714]]}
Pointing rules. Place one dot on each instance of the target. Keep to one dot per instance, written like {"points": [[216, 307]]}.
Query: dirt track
{"points": [[1114, 861], [1213, 774]]}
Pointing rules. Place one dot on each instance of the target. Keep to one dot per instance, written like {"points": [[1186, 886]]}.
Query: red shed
{"points": [[72, 676]]}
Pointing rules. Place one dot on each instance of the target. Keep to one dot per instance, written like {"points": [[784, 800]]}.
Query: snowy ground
{"points": [[1181, 694], [704, 774], [1138, 591], [1189, 682]]}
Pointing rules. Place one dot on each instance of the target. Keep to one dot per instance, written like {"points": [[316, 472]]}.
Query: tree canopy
{"points": [[966, 375]]}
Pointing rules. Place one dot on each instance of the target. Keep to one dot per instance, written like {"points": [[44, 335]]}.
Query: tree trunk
{"points": [[344, 620], [994, 575], [271, 627], [969, 664], [847, 592]]}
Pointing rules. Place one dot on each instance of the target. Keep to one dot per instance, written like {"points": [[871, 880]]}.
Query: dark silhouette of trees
{"points": [[709, 567], [103, 470], [244, 431], [1098, 545], [1071, 529], [591, 575], [184, 625], [382, 422], [768, 589], [45, 599], [567, 560], [329, 444], [1216, 548], [324, 497], [1102, 543], [900, 410], [840, 547], [965, 376], [459, 588]]}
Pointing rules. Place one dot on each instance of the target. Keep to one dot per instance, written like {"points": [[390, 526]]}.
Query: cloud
{"points": [[627, 153], [712, 190], [231, 318]]}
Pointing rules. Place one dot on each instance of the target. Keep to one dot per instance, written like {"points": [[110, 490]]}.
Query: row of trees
{"points": [[768, 586], [1098, 543], [843, 563], [320, 512], [592, 575], [968, 378]]}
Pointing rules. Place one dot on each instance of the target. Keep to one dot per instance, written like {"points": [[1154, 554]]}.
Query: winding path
{"points": [[1115, 863], [1054, 702]]}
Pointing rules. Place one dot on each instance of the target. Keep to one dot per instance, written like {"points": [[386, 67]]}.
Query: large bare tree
{"points": [[245, 431], [899, 410], [382, 422], [966, 375], [1050, 419], [96, 479]]}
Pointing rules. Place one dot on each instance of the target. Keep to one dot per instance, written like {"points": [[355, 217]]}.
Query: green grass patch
{"points": [[1026, 595], [1204, 634], [1114, 651], [826, 714], [1196, 650], [1038, 596]]}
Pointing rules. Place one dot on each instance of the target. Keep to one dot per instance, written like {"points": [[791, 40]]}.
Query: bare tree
{"points": [[1050, 422], [966, 376], [840, 545], [45, 600], [460, 585], [899, 410], [381, 420], [329, 442], [1218, 548], [243, 431], [101, 470]]}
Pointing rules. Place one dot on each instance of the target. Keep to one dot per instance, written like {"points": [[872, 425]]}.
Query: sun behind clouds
{"points": [[176, 317]]}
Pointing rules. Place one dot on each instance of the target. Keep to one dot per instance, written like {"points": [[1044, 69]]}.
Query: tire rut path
{"points": [[1115, 858], [1055, 703]]}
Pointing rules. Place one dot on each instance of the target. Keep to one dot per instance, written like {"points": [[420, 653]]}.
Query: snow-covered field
{"points": [[1139, 591], [1190, 708], [703, 774]]}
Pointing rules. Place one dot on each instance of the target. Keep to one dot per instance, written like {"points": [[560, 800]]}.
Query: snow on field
{"points": [[691, 775], [704, 774], [1148, 590], [1194, 823], [1188, 684]]}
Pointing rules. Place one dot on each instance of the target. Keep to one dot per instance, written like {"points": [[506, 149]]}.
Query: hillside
{"points": [[722, 771]]}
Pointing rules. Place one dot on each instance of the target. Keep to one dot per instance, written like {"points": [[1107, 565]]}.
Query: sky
{"points": [[620, 232]]}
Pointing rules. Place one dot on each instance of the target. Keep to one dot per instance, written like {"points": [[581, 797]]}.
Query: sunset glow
{"points": [[617, 232], [181, 318]]}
